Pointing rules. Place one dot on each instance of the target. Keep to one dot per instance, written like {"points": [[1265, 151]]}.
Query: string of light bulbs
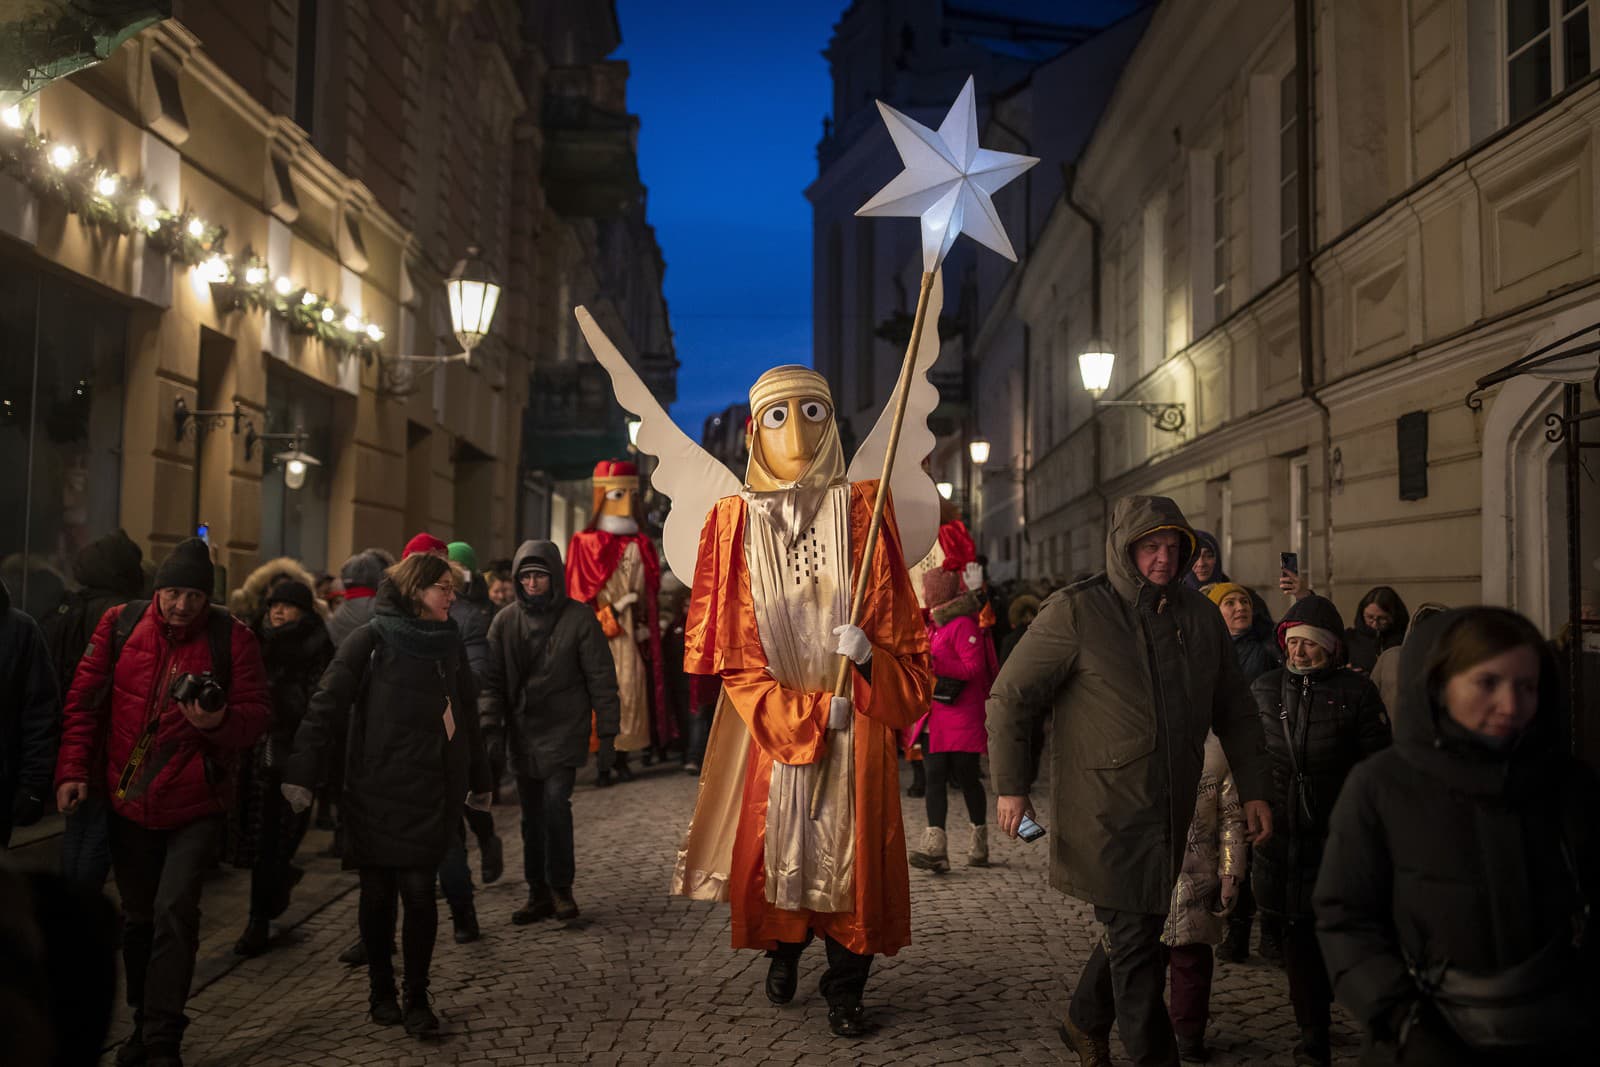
{"points": [[104, 198]]}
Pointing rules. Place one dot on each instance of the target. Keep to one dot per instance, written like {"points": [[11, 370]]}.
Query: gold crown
{"points": [[617, 481], [786, 383]]}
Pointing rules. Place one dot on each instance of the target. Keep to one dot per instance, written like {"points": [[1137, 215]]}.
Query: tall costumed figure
{"points": [[612, 566], [803, 606]]}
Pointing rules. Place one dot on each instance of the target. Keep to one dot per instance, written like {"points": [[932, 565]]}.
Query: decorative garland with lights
{"points": [[105, 199]]}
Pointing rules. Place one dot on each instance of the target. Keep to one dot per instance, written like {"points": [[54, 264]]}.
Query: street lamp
{"points": [[1095, 365], [978, 449], [633, 432], [295, 462], [474, 295], [946, 489]]}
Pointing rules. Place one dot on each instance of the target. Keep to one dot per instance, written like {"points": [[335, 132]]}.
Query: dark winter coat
{"points": [[295, 656], [406, 778], [1336, 719], [361, 575], [1443, 851], [1364, 644], [1134, 675], [1256, 655], [472, 616], [548, 669], [108, 574], [29, 710], [188, 773]]}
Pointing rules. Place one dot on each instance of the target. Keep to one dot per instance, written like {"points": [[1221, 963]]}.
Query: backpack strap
{"points": [[219, 630], [132, 612]]}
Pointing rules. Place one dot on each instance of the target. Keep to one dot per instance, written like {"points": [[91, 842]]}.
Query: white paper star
{"points": [[948, 180]]}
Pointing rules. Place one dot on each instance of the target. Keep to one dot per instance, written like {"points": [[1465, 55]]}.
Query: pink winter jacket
{"points": [[961, 649]]}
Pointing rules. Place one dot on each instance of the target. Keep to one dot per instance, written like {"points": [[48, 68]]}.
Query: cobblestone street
{"points": [[646, 978]]}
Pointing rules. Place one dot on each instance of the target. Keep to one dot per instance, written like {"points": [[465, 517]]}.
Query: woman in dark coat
{"points": [[1381, 621], [1463, 862], [402, 693], [1319, 720], [263, 833]]}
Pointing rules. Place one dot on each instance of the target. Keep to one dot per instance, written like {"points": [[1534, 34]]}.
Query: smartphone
{"points": [[1289, 561], [1029, 830]]}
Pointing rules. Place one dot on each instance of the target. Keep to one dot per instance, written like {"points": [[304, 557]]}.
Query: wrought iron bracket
{"points": [[393, 383], [1168, 417], [296, 440], [186, 423]]}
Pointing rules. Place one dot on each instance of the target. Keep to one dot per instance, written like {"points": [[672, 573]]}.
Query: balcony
{"points": [[591, 167]]}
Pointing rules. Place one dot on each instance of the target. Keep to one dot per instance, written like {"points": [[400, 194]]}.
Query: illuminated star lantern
{"points": [[948, 180]]}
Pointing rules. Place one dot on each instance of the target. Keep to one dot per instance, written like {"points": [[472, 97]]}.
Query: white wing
{"points": [[916, 498], [692, 478]]}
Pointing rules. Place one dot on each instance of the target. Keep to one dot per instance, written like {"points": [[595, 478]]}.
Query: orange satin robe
{"points": [[791, 726]]}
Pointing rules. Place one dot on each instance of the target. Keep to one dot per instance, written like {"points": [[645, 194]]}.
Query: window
{"points": [[1152, 291], [1288, 176], [1219, 235], [294, 522], [1300, 512], [1548, 47], [61, 395], [305, 67]]}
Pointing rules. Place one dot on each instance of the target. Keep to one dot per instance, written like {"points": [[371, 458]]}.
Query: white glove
{"points": [[853, 643], [972, 576], [626, 600], [298, 796], [839, 712], [479, 801]]}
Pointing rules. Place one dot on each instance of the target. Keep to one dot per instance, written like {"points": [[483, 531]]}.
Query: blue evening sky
{"points": [[730, 98]]}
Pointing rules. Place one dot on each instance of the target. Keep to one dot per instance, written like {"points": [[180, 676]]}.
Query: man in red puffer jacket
{"points": [[168, 773]]}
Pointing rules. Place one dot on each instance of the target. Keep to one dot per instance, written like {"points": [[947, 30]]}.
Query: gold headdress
{"points": [[790, 506]]}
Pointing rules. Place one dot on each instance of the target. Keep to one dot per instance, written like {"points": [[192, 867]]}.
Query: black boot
{"points": [[624, 772], [1313, 1049], [1193, 1049], [383, 1004], [163, 1055], [419, 1017], [253, 942], [1271, 939], [850, 1022], [1235, 948], [566, 909], [355, 954], [602, 771], [465, 919], [919, 780], [131, 1053], [539, 907], [783, 975], [491, 858]]}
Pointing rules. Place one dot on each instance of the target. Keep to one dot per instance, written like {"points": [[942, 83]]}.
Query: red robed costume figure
{"points": [[775, 570], [612, 566]]}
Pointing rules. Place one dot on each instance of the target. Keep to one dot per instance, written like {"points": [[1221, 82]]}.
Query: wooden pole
{"points": [[858, 601]]}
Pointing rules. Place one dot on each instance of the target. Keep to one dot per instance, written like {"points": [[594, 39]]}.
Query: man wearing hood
{"points": [[1135, 667], [548, 665]]}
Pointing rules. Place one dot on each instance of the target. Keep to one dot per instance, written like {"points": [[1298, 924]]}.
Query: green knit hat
{"points": [[461, 552]]}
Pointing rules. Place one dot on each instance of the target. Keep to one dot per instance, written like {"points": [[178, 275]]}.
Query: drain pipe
{"points": [[1305, 280], [1069, 174]]}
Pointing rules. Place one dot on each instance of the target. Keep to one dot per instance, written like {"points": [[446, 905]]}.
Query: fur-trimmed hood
{"points": [[249, 600]]}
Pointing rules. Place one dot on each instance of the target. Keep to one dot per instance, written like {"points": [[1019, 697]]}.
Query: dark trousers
{"points": [[86, 845], [963, 769], [846, 977], [158, 876], [547, 844], [1309, 989], [383, 889], [1122, 983], [1191, 967], [455, 877]]}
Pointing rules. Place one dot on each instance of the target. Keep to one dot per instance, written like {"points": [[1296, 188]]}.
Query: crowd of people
{"points": [[1393, 801]]}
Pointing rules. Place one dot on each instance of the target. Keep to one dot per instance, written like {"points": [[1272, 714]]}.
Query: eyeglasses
{"points": [[448, 587]]}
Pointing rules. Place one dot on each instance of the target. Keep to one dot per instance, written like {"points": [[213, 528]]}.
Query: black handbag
{"points": [[948, 690]]}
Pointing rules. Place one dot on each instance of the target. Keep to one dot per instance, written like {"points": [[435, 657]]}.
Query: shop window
{"points": [[62, 351]]}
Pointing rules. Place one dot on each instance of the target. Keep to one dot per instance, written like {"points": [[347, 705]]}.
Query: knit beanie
{"points": [[293, 591], [1220, 591], [424, 542], [940, 586], [462, 553], [188, 567], [1326, 638]]}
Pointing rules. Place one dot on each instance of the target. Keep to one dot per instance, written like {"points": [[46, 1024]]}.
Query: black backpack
{"points": [[68, 630], [219, 631]]}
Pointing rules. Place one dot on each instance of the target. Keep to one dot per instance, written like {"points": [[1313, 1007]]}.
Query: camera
{"points": [[200, 689]]}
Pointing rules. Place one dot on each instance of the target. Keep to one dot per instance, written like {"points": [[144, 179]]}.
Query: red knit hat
{"points": [[425, 542]]}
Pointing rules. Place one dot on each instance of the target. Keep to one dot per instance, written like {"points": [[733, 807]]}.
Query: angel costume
{"points": [[606, 562], [770, 586]]}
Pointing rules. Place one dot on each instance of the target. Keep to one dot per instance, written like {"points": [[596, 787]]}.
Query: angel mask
{"points": [[795, 456]]}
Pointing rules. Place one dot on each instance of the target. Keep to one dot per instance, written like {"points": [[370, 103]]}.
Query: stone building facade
{"points": [[352, 152]]}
